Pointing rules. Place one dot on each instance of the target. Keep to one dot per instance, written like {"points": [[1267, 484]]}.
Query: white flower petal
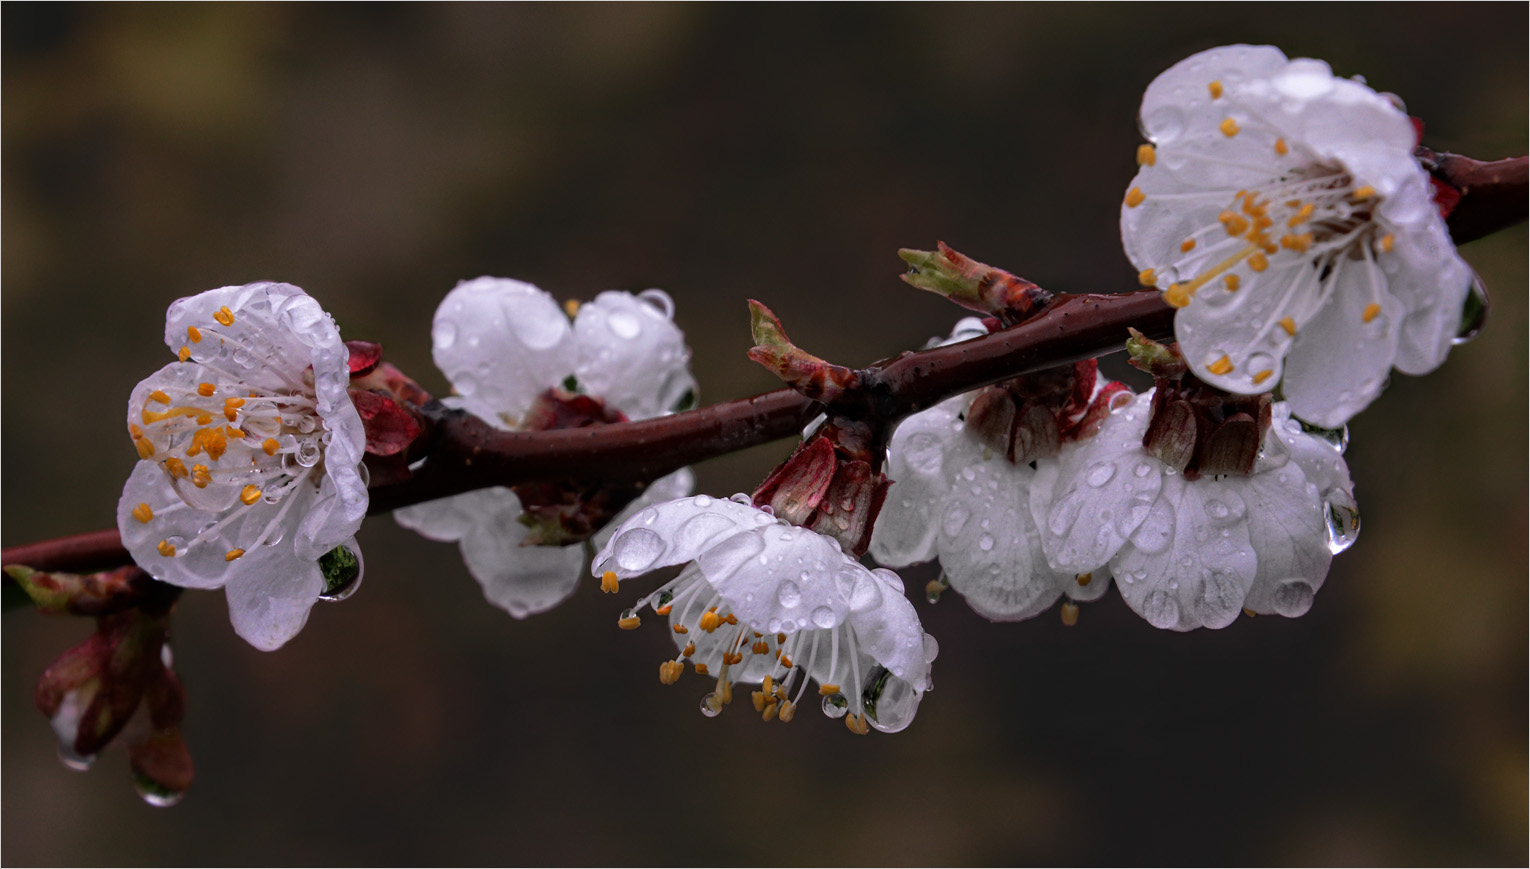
{"points": [[674, 533], [501, 343], [1091, 498], [269, 599], [920, 449], [522, 580], [1285, 527], [667, 488], [1339, 361], [1190, 563], [450, 519], [631, 353], [990, 549], [782, 578]]}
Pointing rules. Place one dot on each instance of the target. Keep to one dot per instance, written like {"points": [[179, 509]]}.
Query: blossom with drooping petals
{"points": [[250, 449], [504, 343], [1188, 553], [763, 602], [1282, 210], [967, 502]]}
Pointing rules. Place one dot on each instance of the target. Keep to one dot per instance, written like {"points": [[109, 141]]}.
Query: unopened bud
{"points": [[991, 419], [91, 594], [971, 284], [1159, 360], [802, 371], [1171, 434], [1037, 435], [1232, 447], [794, 489]]}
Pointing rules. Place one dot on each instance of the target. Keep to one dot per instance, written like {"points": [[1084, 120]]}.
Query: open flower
{"points": [[504, 344], [250, 449], [1282, 210], [1190, 553], [764, 602]]}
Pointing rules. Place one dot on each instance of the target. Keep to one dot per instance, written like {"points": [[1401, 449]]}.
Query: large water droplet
{"points": [[1293, 598], [711, 705], [922, 452], [789, 594], [1474, 312], [1343, 526], [659, 301], [156, 794], [637, 548], [700, 529], [866, 594], [1156, 530], [77, 762], [1100, 474], [308, 452], [624, 325], [824, 617], [890, 702]]}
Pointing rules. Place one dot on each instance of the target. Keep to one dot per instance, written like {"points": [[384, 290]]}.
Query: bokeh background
{"points": [[377, 155]]}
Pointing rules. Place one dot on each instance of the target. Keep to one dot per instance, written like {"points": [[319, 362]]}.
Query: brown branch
{"points": [[1494, 195]]}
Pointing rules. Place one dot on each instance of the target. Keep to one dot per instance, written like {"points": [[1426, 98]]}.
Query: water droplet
{"points": [[789, 594], [1293, 598], [711, 705], [866, 594], [308, 452], [700, 529], [1157, 529], [1143, 469], [835, 706], [931, 648], [1100, 474], [637, 548], [624, 325], [890, 702], [702, 500], [969, 473], [659, 301], [985, 542], [1161, 610], [76, 762], [443, 334], [824, 617], [1474, 312], [922, 452], [955, 519], [1343, 525], [156, 794]]}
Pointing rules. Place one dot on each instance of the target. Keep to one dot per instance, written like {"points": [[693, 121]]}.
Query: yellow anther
{"points": [[608, 582], [1292, 203], [176, 467], [1177, 296], [143, 513], [1232, 282], [733, 657], [204, 419], [1289, 325], [160, 396], [1187, 245], [780, 638], [1258, 262], [206, 389], [682, 629], [1147, 277], [689, 650], [183, 354], [232, 554], [249, 494], [145, 447], [194, 334], [1298, 243], [1387, 241], [771, 711], [1370, 313], [1069, 613], [270, 446], [1229, 128], [786, 662], [1234, 223], [1216, 89], [1248, 612], [1281, 147], [710, 620], [857, 724], [760, 647], [767, 684], [828, 689], [1147, 155], [1365, 192], [1264, 375], [669, 672], [630, 623], [224, 315], [200, 476], [665, 610], [231, 407], [788, 709], [1221, 366], [571, 306], [731, 619], [165, 548], [1135, 197], [134, 431], [1084, 579], [701, 669], [235, 433], [758, 699]]}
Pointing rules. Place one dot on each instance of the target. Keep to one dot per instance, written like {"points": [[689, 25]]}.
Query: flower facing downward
{"points": [[504, 344], [250, 449], [1190, 553], [763, 602], [1282, 210]]}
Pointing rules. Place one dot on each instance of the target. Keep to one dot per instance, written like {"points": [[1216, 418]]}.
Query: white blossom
{"points": [[1282, 210], [761, 601], [1194, 553], [502, 343], [250, 455]]}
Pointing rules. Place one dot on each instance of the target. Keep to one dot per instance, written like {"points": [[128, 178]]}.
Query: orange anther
{"points": [[608, 583], [160, 396], [145, 447], [1221, 366], [1135, 197], [1147, 155], [165, 548], [1370, 313], [827, 689], [1084, 579], [143, 513], [1263, 376], [194, 334], [206, 389], [232, 554], [224, 315], [1069, 613], [249, 494], [1289, 325], [682, 629], [630, 623], [1147, 277], [1281, 148], [1229, 128], [270, 446]]}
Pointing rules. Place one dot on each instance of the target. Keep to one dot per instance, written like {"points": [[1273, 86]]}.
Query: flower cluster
{"points": [[514, 359], [250, 476], [1282, 210], [767, 603]]}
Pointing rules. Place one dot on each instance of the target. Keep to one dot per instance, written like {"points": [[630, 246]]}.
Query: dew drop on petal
{"points": [[155, 794], [636, 549], [866, 594], [835, 706], [624, 325], [1293, 598], [1474, 312], [659, 301], [985, 542], [74, 761], [1100, 474], [789, 594], [443, 334], [1161, 610], [1343, 526], [711, 705], [955, 519], [823, 617]]}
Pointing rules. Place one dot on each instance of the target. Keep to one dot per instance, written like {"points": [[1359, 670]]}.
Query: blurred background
{"points": [[377, 155]]}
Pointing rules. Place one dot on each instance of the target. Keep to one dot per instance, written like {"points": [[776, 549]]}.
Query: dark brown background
{"points": [[375, 156]]}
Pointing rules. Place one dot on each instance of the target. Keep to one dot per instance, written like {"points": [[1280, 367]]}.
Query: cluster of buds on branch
{"points": [[1296, 241]]}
